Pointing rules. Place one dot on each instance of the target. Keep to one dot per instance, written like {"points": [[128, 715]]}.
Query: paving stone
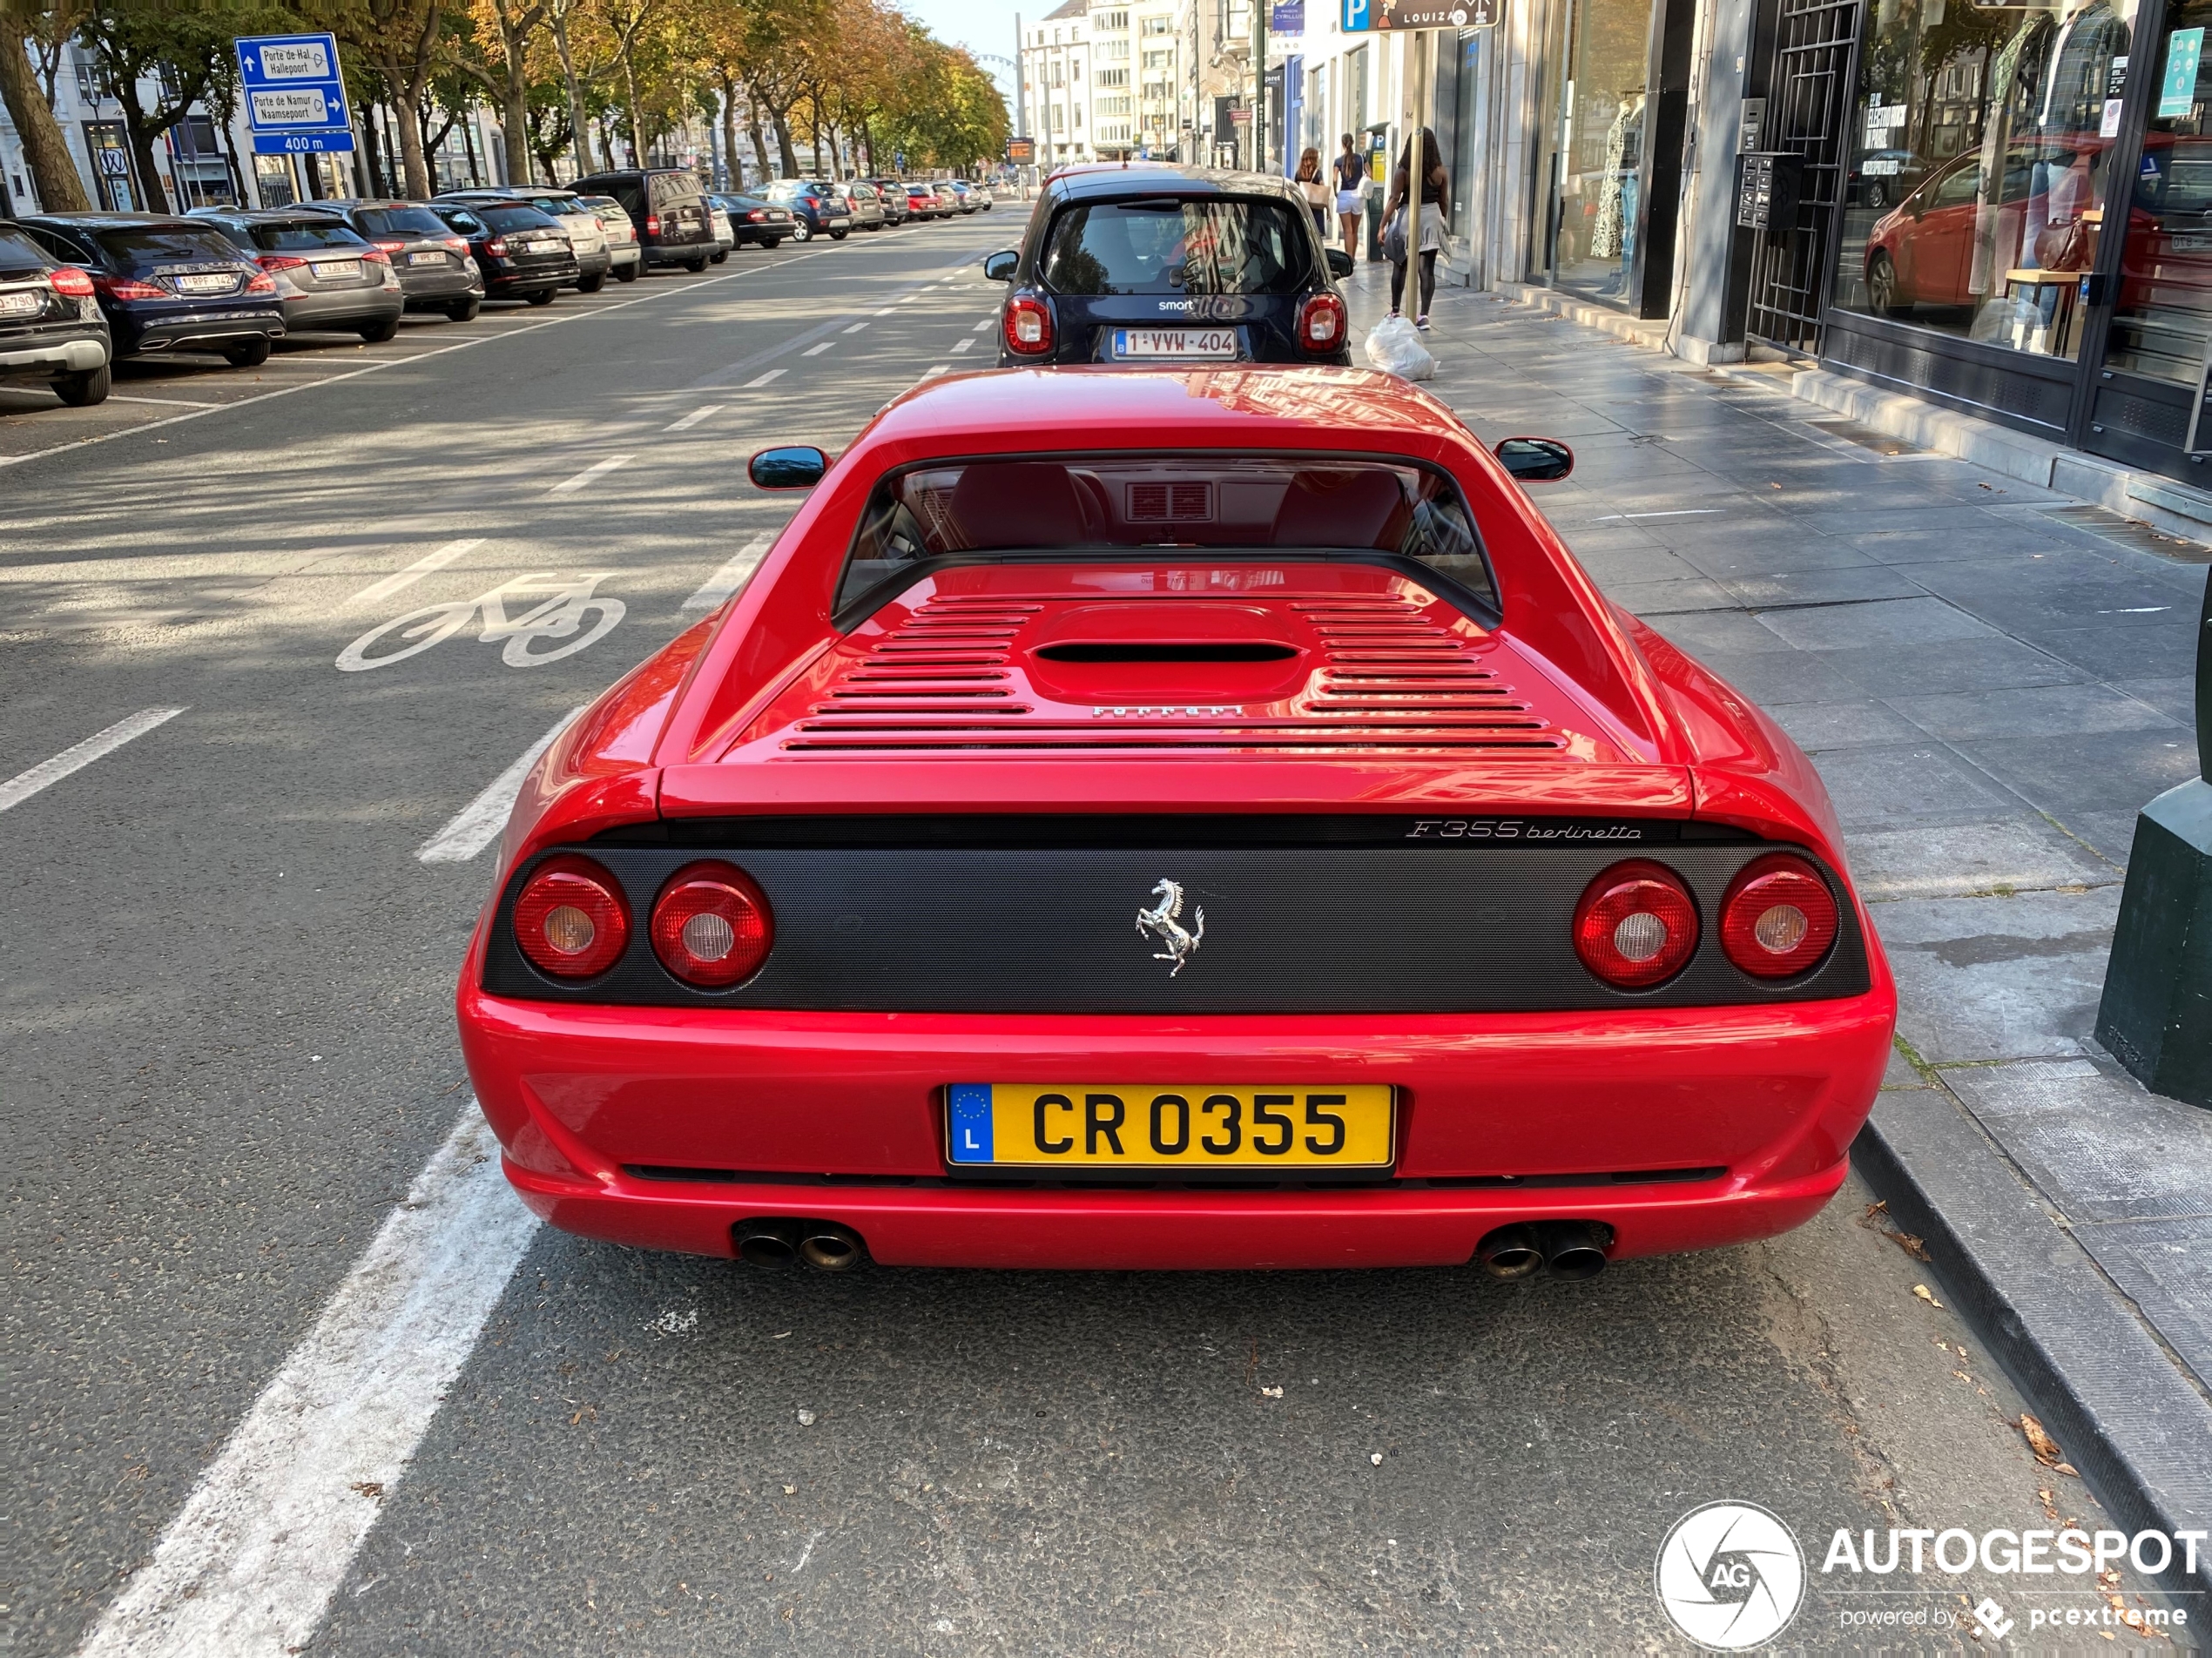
{"points": [[2030, 711], [2164, 1267], [1910, 787], [2022, 853], [1998, 978], [1935, 545], [1672, 598], [1882, 622], [2074, 772], [2057, 588], [2112, 834], [1773, 679], [1860, 723], [1731, 632], [1852, 584], [2167, 651], [2098, 1143], [1938, 667]]}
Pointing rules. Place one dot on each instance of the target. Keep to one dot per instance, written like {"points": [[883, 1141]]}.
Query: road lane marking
{"points": [[693, 418], [167, 402], [269, 1531], [857, 326], [731, 576], [754, 384], [888, 311], [986, 324], [597, 469], [816, 350], [935, 370], [20, 787], [414, 572], [477, 825], [378, 367], [963, 345]]}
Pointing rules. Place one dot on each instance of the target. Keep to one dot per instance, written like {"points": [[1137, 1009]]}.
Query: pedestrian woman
{"points": [[1422, 188], [1351, 174], [1315, 192]]}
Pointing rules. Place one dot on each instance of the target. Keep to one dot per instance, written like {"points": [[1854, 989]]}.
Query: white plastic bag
{"points": [[1395, 348]]}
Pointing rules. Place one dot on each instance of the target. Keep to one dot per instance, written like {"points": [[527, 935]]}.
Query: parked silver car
{"points": [[622, 245], [328, 274], [724, 237], [587, 236], [434, 270]]}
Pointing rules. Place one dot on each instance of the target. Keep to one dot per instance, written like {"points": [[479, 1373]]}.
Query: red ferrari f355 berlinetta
{"points": [[1147, 818]]}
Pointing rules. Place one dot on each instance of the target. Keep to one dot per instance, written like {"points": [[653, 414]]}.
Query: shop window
{"points": [[1598, 153], [2163, 324], [1977, 183]]}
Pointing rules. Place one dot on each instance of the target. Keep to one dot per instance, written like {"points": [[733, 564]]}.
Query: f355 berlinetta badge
{"points": [[1164, 921]]}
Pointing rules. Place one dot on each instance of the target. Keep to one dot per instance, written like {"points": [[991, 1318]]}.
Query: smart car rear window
{"points": [[401, 221], [154, 246], [1167, 246], [1121, 506]]}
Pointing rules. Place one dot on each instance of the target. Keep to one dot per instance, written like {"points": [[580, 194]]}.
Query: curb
{"points": [[2128, 1419]]}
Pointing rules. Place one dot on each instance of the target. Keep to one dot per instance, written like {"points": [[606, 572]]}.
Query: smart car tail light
{"points": [[712, 926], [1028, 326], [571, 921], [1636, 925], [1321, 322], [70, 282], [1777, 918]]}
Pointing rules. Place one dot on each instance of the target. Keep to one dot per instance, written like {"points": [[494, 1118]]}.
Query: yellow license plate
{"points": [[1185, 1127]]}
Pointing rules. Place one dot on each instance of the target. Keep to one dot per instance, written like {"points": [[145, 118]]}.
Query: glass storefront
{"points": [[1979, 175], [2162, 317], [1597, 142]]}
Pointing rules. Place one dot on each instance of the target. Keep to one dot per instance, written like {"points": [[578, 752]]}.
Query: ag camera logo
{"points": [[1730, 1576]]}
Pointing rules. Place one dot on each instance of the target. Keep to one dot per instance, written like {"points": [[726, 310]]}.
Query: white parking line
{"points": [[250, 1563], [935, 370], [888, 311], [597, 469], [857, 326], [731, 576], [693, 418], [20, 787], [477, 825], [816, 350], [755, 385], [167, 402], [417, 570], [960, 346], [986, 325]]}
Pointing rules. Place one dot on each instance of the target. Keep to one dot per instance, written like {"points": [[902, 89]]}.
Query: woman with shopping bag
{"points": [[1315, 190], [1414, 219]]}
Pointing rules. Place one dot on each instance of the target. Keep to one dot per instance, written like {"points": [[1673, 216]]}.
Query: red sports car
{"points": [[1137, 819]]}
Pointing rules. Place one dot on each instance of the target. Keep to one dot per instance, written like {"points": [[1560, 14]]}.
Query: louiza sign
{"points": [[294, 95], [1376, 16]]}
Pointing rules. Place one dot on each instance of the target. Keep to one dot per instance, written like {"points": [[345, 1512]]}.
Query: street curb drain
{"points": [[2127, 1417]]}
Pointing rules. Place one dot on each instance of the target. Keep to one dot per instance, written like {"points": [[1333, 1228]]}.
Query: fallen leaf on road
{"points": [[2045, 1447], [1922, 1290], [372, 1489]]}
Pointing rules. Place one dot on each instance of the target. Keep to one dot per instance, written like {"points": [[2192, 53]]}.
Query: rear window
{"points": [[556, 205], [401, 221], [674, 189], [1120, 504], [18, 253], [519, 217], [1219, 246], [287, 239], [152, 246], [462, 219]]}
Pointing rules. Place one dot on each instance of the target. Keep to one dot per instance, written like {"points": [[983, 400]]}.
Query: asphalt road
{"points": [[224, 984]]}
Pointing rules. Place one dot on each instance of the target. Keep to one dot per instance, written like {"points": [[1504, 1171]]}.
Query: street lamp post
{"points": [[2156, 1014]]}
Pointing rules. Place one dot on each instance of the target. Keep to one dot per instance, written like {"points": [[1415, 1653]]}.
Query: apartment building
{"points": [[1113, 80]]}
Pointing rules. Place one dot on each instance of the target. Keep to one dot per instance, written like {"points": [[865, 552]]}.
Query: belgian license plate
{"points": [[545, 247], [1188, 1127], [426, 259], [20, 305], [206, 282], [337, 270], [1209, 344]]}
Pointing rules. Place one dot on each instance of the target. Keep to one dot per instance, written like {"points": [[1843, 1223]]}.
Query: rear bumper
{"points": [[46, 358], [1502, 1117], [159, 328], [344, 309]]}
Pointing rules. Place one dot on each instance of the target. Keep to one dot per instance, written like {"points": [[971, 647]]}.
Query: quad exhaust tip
{"points": [[1565, 1249], [775, 1241]]}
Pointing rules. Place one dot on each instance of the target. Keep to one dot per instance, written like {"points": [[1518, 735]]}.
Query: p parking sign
{"points": [[294, 93]]}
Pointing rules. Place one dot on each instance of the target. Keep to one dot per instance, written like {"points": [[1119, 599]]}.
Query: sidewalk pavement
{"points": [[1993, 678]]}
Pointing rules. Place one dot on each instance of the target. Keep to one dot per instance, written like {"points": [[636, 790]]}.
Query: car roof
{"points": [[1098, 181], [114, 221]]}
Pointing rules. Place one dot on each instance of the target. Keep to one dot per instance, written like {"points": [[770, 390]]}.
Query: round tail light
{"points": [[1028, 325], [1778, 917], [1321, 322], [1636, 925], [710, 926], [570, 919]]}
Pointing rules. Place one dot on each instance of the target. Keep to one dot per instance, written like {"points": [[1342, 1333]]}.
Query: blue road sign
{"points": [[292, 89], [330, 141]]}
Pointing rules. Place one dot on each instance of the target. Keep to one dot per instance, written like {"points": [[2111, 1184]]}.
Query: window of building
{"points": [[1110, 20], [1977, 187], [1112, 51], [1112, 77], [2163, 321], [1156, 26]]}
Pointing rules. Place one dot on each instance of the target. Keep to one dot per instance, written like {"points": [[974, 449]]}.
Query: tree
{"points": [[398, 39], [24, 24], [504, 30], [185, 49]]}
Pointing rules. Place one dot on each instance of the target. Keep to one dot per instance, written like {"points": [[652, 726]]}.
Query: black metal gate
{"points": [[1809, 99]]}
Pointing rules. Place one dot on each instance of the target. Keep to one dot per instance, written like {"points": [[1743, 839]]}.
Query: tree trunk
{"points": [[730, 135], [579, 122], [372, 151], [636, 117], [783, 143], [759, 141], [514, 104], [44, 150], [415, 174], [134, 129]]}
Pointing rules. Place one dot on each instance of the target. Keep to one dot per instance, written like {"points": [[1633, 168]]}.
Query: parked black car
{"points": [[1176, 264], [436, 270], [51, 331], [579, 222], [522, 254], [167, 284], [754, 222], [667, 206], [329, 275], [813, 211]]}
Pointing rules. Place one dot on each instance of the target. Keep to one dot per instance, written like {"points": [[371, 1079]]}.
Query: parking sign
{"points": [[294, 93]]}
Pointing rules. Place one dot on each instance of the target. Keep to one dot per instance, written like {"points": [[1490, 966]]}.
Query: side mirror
{"points": [[1341, 264], [1536, 460], [998, 267], [799, 467]]}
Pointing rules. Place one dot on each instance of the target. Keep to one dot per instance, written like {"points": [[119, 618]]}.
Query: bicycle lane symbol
{"points": [[558, 616]]}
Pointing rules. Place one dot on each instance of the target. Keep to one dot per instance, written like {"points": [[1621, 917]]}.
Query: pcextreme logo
{"points": [[1730, 1576]]}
